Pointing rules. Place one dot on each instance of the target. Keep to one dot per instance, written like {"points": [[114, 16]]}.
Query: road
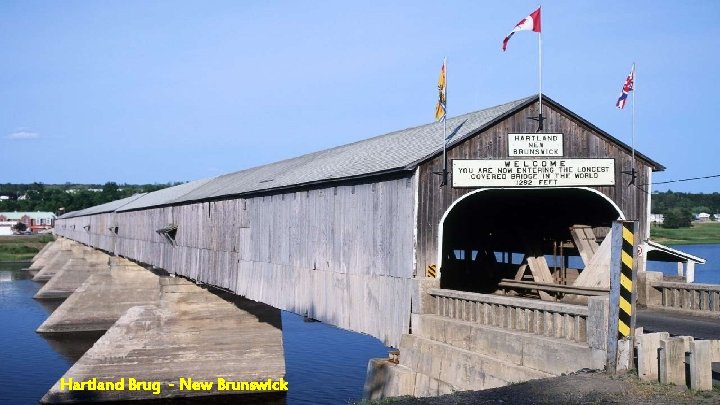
{"points": [[676, 324]]}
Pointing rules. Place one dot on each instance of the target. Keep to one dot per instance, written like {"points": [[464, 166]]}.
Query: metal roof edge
{"points": [[674, 252], [254, 193], [91, 211], [523, 103]]}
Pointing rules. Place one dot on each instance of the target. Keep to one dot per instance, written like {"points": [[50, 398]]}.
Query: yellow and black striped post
{"points": [[626, 316], [621, 319]]}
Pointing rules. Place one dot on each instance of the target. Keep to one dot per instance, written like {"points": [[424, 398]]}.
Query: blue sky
{"points": [[152, 92]]}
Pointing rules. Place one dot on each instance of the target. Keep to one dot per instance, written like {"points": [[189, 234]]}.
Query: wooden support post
{"points": [[540, 271], [584, 240]]}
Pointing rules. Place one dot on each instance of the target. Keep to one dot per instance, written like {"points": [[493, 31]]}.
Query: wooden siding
{"points": [[343, 255], [579, 141]]}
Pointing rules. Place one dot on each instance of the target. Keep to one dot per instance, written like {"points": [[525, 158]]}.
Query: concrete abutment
{"points": [[443, 354]]}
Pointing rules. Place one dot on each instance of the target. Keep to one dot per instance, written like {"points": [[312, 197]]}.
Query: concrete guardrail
{"points": [[577, 323], [688, 296]]}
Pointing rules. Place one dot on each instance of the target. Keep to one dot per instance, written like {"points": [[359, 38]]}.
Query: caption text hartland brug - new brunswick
{"points": [[183, 384]]}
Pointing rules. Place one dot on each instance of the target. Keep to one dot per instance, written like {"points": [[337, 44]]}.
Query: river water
{"points": [[324, 364], [704, 273]]}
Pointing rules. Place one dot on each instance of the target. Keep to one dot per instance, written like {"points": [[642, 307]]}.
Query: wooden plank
{"points": [[597, 272], [585, 242], [530, 285], [540, 271], [521, 270]]}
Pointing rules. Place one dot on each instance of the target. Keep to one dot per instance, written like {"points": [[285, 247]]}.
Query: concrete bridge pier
{"points": [[73, 274], [42, 251], [188, 335], [69, 251], [47, 253], [103, 297]]}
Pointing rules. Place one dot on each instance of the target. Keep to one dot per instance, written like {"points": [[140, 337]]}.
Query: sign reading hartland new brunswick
{"points": [[533, 172], [535, 145]]}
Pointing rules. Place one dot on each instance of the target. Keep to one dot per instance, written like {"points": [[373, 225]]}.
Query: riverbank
{"points": [[699, 233], [578, 388], [21, 248]]}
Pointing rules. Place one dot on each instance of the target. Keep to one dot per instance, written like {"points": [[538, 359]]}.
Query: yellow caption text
{"points": [[183, 384]]}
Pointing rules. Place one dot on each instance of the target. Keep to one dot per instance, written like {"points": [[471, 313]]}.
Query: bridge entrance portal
{"points": [[494, 234]]}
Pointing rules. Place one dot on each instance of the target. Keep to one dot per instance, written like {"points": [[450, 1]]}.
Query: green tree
{"points": [[19, 227], [677, 218], [110, 192]]}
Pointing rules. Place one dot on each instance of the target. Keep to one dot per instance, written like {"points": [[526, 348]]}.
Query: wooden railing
{"points": [[689, 296], [550, 319]]}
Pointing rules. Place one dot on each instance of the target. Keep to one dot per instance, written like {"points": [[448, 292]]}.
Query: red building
{"points": [[34, 221]]}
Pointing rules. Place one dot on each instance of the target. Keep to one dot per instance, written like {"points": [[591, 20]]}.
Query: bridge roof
{"points": [[165, 196], [103, 208], [393, 152], [661, 253]]}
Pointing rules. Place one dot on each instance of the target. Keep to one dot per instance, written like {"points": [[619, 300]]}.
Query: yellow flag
{"points": [[440, 107]]}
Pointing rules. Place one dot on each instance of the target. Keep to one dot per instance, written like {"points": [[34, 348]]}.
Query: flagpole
{"points": [[445, 173], [632, 140], [540, 115]]}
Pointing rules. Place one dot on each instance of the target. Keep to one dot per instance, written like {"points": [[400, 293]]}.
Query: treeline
{"points": [[679, 208], [695, 203], [61, 198]]}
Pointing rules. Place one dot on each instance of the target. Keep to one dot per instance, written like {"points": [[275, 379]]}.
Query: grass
{"points": [[20, 248], [699, 233]]}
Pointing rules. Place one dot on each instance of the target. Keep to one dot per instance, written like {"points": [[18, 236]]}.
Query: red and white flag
{"points": [[529, 23], [626, 89]]}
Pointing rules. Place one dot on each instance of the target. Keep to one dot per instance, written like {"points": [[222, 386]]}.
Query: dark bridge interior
{"points": [[484, 231]]}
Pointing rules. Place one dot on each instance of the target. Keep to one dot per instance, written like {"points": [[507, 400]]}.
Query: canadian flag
{"points": [[529, 23]]}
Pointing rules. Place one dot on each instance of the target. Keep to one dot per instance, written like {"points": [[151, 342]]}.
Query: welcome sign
{"points": [[533, 172]]}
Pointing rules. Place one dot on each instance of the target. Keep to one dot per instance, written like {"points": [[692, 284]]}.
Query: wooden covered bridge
{"points": [[342, 234]]}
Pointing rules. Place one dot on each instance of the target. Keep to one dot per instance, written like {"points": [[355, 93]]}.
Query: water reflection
{"points": [[72, 346], [50, 305], [8, 273]]}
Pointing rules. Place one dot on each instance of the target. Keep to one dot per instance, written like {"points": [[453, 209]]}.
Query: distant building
{"points": [[6, 227], [657, 218], [34, 221], [703, 217]]}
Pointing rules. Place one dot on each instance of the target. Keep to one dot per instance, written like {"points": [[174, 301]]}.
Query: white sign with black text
{"points": [[535, 145], [533, 172]]}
